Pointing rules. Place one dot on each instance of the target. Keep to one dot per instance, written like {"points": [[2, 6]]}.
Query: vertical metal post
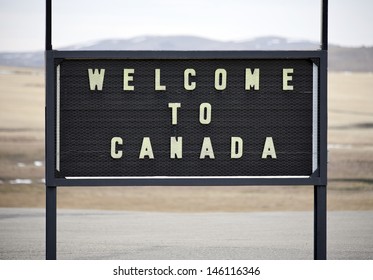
{"points": [[319, 222], [48, 25], [51, 191], [51, 222], [324, 25]]}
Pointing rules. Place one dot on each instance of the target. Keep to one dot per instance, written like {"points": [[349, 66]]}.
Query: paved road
{"points": [[91, 234]]}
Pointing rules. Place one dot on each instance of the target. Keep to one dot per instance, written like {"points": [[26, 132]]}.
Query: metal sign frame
{"points": [[318, 179]]}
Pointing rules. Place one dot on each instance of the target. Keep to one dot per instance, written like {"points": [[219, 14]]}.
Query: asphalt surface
{"points": [[92, 234]]}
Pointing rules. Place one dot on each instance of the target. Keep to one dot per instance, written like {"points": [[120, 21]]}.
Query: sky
{"points": [[22, 22]]}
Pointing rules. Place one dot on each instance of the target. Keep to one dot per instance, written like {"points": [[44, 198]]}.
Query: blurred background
{"points": [[187, 25]]}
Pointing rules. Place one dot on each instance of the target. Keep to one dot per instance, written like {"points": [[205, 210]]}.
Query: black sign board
{"points": [[158, 116]]}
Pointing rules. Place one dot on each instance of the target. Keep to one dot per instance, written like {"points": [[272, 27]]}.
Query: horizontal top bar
{"points": [[187, 54]]}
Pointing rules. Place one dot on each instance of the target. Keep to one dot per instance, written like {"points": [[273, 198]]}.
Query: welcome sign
{"points": [[186, 118]]}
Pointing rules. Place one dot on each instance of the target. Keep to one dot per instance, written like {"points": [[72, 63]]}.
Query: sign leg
{"points": [[319, 222], [51, 222]]}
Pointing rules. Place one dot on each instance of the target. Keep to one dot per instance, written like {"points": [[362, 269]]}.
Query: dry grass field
{"points": [[350, 166]]}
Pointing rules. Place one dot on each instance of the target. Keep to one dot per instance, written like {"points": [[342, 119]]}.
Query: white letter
{"points": [[269, 148], [223, 84], [176, 150], [252, 79], [113, 151], [146, 149], [205, 113], [128, 78], [174, 107], [187, 73], [206, 149], [286, 78], [158, 85], [236, 147], [96, 78]]}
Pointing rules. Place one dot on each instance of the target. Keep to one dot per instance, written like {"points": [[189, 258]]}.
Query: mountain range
{"points": [[358, 59]]}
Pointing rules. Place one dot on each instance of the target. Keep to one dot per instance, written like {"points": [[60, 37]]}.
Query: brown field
{"points": [[350, 185]]}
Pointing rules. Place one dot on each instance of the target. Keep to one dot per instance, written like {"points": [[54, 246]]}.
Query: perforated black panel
{"points": [[90, 119]]}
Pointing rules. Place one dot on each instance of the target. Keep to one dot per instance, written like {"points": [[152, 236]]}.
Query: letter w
{"points": [[96, 78]]}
